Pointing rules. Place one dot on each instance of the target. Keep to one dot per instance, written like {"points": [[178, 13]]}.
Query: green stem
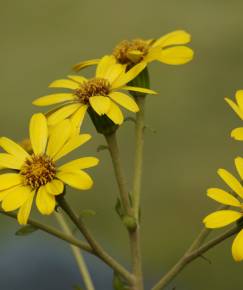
{"points": [[189, 257], [98, 250], [77, 254]]}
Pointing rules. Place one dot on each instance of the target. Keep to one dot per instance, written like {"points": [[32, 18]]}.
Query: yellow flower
{"points": [[101, 93], [168, 49], [237, 106], [223, 218], [38, 174]]}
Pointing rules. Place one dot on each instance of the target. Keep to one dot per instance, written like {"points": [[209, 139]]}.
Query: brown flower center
{"points": [[38, 170], [123, 48], [93, 87]]}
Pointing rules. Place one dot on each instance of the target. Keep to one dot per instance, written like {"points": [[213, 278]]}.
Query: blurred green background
{"points": [[40, 41]]}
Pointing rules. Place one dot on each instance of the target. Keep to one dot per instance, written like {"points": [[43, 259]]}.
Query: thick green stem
{"points": [[98, 250], [191, 256], [77, 254]]}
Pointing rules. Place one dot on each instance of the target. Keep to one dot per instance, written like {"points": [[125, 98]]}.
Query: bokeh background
{"points": [[40, 41]]}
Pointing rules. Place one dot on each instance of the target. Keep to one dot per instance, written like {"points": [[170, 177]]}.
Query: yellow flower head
{"points": [[237, 106], [102, 93], [223, 218], [168, 49], [38, 174]]}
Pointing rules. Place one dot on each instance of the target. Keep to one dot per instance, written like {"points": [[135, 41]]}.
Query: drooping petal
{"points": [[85, 63], [62, 114], [55, 187], [81, 163], [176, 55], [58, 137], [223, 197], [8, 180], [239, 166], [239, 98], [100, 104], [78, 79], [140, 90], [65, 84], [13, 148], [104, 65], [231, 181], [16, 197], [53, 99], [221, 218], [115, 114], [237, 134], [77, 119], [237, 247], [173, 38], [73, 143], [24, 211], [76, 178], [38, 133], [45, 201], [125, 101], [10, 161], [235, 108]]}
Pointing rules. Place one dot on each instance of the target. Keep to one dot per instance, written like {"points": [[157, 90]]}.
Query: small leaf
{"points": [[87, 213], [102, 148], [118, 208], [118, 283], [26, 230]]}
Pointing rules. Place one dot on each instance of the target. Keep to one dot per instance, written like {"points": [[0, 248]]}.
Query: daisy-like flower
{"points": [[103, 94], [169, 49], [223, 218], [38, 175], [237, 106]]}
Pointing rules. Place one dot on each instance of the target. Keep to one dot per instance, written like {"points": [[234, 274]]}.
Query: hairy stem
{"points": [[77, 254], [98, 250]]}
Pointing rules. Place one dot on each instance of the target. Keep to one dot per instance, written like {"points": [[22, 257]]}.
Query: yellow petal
{"points": [[100, 104], [85, 63], [65, 84], [38, 133], [237, 134], [235, 108], [232, 182], [62, 114], [73, 143], [104, 65], [221, 218], [140, 90], [10, 161], [8, 180], [77, 179], [81, 163], [223, 197], [239, 98], [114, 71], [115, 114], [55, 187], [125, 101], [13, 148], [128, 76], [78, 79], [16, 197], [58, 137], [77, 119], [176, 55], [237, 247], [173, 38], [24, 211], [45, 202], [53, 99]]}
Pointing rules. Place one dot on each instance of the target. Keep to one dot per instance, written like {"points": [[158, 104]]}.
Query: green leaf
{"points": [[118, 283], [118, 208], [26, 230]]}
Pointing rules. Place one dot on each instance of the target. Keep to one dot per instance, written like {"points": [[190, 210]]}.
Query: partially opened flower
{"points": [[103, 94], [38, 175], [169, 49], [223, 218], [237, 106]]}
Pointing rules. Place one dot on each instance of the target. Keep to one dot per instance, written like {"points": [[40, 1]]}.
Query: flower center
{"points": [[121, 51], [38, 171], [93, 87]]}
